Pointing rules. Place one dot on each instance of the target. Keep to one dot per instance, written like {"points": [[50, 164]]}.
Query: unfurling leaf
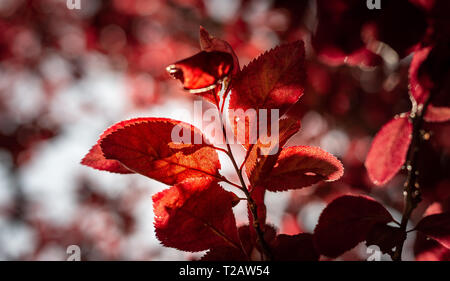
{"points": [[272, 81], [298, 247], [146, 146], [346, 221], [437, 114], [302, 166], [195, 215], [437, 227], [210, 44], [203, 71], [388, 151]]}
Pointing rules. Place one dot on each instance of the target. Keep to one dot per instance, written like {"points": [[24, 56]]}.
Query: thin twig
{"points": [[224, 179], [218, 148], [412, 194]]}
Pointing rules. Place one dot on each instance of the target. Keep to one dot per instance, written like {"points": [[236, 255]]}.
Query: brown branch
{"points": [[412, 193]]}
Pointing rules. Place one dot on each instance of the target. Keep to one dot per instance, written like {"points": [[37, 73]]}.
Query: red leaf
{"points": [[209, 43], [388, 151], [302, 166], [97, 160], [426, 249], [346, 221], [430, 71], [264, 154], [195, 215], [298, 247], [437, 227], [437, 114], [145, 146], [433, 209], [203, 71], [273, 81], [289, 224]]}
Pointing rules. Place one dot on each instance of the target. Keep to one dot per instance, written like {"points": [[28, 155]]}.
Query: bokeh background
{"points": [[66, 75]]}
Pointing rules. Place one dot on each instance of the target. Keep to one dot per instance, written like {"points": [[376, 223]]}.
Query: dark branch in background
{"points": [[412, 193]]}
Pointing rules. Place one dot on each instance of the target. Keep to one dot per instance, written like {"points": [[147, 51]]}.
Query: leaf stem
{"points": [[219, 149], [232, 183]]}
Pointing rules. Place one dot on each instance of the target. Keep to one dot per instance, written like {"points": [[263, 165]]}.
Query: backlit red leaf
{"points": [[388, 151], [437, 114], [436, 226], [195, 215], [346, 221], [97, 160], [264, 154], [145, 146], [301, 166], [426, 249], [272, 81], [298, 247], [210, 44]]}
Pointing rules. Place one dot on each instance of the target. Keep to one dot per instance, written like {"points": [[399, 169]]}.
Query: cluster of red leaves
{"points": [[196, 214], [349, 220], [347, 32], [428, 71]]}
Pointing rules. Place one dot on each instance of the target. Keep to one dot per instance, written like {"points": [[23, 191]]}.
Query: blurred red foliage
{"points": [[63, 72]]}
